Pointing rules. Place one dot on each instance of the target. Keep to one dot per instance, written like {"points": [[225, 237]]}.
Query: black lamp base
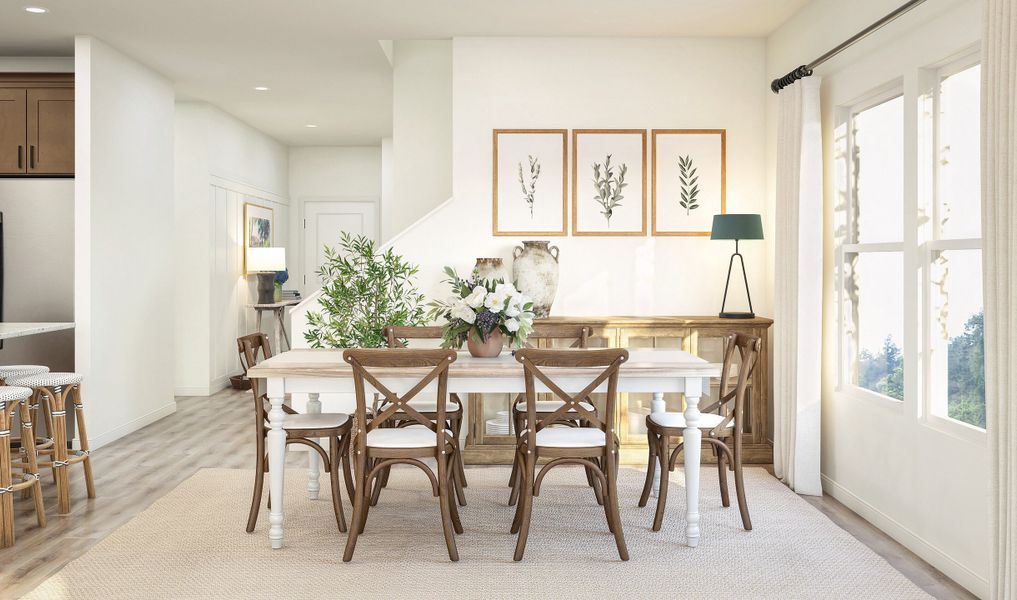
{"points": [[266, 288], [737, 315]]}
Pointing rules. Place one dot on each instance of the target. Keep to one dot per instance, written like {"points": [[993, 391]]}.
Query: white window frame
{"points": [[844, 116], [929, 240]]}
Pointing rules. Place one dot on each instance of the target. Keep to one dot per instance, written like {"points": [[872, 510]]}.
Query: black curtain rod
{"points": [[806, 70]]}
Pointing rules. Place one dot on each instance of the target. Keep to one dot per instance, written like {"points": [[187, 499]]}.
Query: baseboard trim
{"points": [[909, 539], [214, 386], [98, 441]]}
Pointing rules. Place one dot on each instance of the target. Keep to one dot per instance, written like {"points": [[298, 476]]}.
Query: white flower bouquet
{"points": [[479, 309]]}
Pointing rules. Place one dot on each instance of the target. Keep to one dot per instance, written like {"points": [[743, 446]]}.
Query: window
{"points": [[907, 224], [955, 382], [870, 151]]}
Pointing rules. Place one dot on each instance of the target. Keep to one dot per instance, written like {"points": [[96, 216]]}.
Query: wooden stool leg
{"points": [[57, 403], [444, 502], [665, 471], [743, 507], [651, 445], [725, 496], [79, 415], [525, 507], [333, 473], [28, 433], [6, 497], [359, 500], [614, 516]]}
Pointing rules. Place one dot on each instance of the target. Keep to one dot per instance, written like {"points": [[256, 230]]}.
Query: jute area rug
{"points": [[191, 544]]}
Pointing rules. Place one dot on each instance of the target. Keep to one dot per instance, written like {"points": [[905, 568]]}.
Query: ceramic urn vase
{"points": [[491, 269], [535, 273]]}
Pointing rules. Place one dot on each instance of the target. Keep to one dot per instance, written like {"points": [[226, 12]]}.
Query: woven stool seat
{"points": [[9, 393], [12, 371], [47, 380]]}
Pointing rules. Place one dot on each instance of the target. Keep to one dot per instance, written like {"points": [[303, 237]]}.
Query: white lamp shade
{"points": [[266, 259]]}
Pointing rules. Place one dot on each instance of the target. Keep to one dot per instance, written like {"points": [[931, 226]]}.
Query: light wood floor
{"points": [[218, 432]]}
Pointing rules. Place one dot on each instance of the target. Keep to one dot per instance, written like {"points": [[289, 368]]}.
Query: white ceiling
{"points": [[321, 58]]}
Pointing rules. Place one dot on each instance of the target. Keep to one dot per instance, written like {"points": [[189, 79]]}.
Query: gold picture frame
{"points": [[719, 167], [503, 216], [260, 238], [578, 183]]}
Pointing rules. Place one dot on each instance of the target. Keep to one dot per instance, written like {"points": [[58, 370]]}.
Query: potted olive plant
{"points": [[363, 291]]}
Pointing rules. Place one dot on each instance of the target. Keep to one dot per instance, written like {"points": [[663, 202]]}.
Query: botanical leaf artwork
{"points": [[609, 180], [690, 186], [529, 184]]}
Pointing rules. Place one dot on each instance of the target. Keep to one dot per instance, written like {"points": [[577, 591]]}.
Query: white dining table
{"points": [[317, 371]]}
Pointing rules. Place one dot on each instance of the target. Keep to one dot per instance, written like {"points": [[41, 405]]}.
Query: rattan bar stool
{"points": [[14, 372], [13, 399], [52, 391]]}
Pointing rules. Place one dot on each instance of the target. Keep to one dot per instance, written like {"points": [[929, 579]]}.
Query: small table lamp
{"points": [[737, 227], [266, 262]]}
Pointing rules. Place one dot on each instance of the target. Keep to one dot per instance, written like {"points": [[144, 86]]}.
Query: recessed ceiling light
{"points": [[38, 10], [311, 126], [261, 88]]}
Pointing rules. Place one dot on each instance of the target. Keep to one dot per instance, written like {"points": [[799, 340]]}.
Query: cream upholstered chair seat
{"points": [[412, 436], [13, 371], [668, 419], [46, 380], [430, 405], [570, 437], [549, 406], [314, 420]]}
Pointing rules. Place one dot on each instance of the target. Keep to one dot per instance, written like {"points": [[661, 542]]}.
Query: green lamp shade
{"points": [[737, 227]]}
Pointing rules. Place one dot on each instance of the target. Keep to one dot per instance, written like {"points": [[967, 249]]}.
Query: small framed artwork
{"points": [[689, 180], [530, 182], [258, 228], [608, 182]]}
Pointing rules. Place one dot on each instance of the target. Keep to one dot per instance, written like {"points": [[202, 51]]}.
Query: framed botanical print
{"points": [[608, 182], [258, 228], [530, 182], [689, 180]]}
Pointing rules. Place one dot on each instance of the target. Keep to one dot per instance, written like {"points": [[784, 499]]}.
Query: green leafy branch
{"points": [[529, 192], [690, 184], [363, 291], [609, 185]]}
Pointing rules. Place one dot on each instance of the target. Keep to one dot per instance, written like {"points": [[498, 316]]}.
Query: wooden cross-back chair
{"points": [[578, 337], [378, 447], [721, 423], [300, 428], [397, 336], [594, 447]]}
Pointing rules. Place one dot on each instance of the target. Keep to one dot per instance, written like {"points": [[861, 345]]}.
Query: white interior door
{"points": [[324, 221]]}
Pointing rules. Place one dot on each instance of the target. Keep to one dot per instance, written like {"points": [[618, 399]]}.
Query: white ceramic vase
{"points": [[491, 269], [535, 273]]}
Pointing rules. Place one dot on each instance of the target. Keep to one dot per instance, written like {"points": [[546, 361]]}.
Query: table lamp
{"points": [[736, 227], [266, 262]]}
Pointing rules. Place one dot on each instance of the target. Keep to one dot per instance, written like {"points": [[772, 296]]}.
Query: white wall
{"points": [[328, 173], [123, 240], [38, 250], [421, 131], [654, 83], [221, 163], [926, 488]]}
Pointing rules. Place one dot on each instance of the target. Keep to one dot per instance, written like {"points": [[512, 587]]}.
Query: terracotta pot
{"points": [[489, 349]]}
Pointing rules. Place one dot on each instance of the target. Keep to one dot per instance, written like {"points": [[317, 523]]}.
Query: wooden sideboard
{"points": [[702, 336]]}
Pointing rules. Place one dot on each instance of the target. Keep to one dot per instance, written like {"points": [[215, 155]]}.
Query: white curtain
{"points": [[999, 226], [798, 300]]}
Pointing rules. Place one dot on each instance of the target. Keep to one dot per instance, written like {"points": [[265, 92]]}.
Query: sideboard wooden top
{"points": [[629, 321]]}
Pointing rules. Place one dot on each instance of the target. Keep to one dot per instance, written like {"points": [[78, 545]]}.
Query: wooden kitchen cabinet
{"points": [[13, 131], [36, 124]]}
